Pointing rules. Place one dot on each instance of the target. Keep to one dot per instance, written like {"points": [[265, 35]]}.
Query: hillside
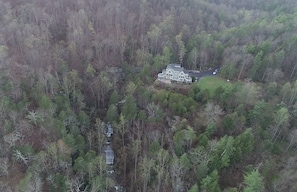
{"points": [[71, 69]]}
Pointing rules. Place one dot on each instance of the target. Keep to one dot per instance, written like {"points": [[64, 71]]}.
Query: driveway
{"points": [[198, 75]]}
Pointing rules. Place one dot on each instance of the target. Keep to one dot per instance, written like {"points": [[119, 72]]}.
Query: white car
{"points": [[215, 72]]}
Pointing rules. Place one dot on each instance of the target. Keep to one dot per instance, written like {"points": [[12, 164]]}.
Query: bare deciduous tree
{"points": [[4, 165], [213, 112], [75, 184], [21, 157], [11, 138]]}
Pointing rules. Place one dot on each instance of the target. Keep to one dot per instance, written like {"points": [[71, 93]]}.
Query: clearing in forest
{"points": [[211, 83]]}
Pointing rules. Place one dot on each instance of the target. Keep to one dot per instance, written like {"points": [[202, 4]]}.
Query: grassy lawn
{"points": [[212, 83]]}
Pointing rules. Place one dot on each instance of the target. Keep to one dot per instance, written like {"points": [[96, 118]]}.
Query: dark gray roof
{"points": [[175, 67]]}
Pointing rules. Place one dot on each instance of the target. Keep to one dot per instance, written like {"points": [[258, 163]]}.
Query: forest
{"points": [[69, 68]]}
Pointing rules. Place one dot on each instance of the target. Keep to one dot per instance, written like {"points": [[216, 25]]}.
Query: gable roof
{"points": [[177, 67]]}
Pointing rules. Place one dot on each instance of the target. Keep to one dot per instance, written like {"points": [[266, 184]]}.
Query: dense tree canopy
{"points": [[69, 69]]}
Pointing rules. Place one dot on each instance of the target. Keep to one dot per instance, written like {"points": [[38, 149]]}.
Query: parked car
{"points": [[215, 72]]}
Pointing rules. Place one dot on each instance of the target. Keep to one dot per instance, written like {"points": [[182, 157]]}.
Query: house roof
{"points": [[109, 130], [109, 155], [175, 67]]}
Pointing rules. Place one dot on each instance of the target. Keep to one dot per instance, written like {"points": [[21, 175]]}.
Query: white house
{"points": [[175, 72]]}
